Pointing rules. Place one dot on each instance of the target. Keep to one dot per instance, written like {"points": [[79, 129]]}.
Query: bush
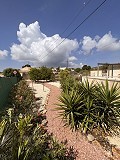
{"points": [[68, 83], [20, 140], [24, 136], [21, 97], [42, 73], [10, 72]]}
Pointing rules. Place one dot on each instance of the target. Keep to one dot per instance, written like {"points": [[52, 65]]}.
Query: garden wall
{"points": [[102, 79], [6, 85]]}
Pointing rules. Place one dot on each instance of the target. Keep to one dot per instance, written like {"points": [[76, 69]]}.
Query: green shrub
{"points": [[88, 106], [20, 140], [23, 135], [68, 83], [21, 97]]}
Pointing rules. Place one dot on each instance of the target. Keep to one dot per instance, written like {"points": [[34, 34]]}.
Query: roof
{"points": [[109, 64]]}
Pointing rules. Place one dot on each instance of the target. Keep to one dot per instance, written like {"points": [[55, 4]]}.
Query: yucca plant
{"points": [[91, 105], [87, 89], [69, 108], [108, 104]]}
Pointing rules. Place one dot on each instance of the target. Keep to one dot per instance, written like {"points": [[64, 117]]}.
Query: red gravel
{"points": [[86, 150]]}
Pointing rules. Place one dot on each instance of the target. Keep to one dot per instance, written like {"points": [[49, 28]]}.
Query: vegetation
{"points": [[86, 67], [26, 65], [20, 139], [64, 74], [78, 70], [42, 73], [90, 106], [10, 72], [23, 134], [22, 97]]}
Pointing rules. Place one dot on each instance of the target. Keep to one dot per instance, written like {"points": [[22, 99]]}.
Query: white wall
{"points": [[116, 73], [101, 79]]}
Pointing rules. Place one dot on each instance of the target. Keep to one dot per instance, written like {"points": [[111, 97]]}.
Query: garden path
{"points": [[85, 150]]}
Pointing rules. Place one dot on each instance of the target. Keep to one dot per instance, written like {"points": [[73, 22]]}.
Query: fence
{"points": [[6, 85]]}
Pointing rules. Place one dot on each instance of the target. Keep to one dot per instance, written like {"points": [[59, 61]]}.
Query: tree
{"points": [[10, 72], [64, 74], [26, 65], [35, 74], [77, 70], [42, 73], [85, 67]]}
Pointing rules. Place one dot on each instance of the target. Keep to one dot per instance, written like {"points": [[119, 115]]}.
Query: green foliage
{"points": [[108, 103], [10, 72], [20, 140], [47, 73], [22, 97], [35, 74], [24, 136], [69, 108], [64, 74], [68, 83], [88, 106], [78, 70], [42, 73], [85, 67]]}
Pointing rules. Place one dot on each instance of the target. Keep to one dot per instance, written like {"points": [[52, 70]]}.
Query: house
{"points": [[107, 70]]}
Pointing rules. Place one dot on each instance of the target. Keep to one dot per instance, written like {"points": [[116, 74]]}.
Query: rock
{"points": [[34, 109], [44, 111], [38, 102], [44, 122], [90, 138], [108, 153]]}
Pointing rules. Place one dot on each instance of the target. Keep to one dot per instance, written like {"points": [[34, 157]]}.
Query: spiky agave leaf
{"points": [[109, 110], [69, 107]]}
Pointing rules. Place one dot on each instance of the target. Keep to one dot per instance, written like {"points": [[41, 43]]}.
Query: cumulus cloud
{"points": [[88, 44], [36, 47], [105, 43], [108, 43], [3, 54]]}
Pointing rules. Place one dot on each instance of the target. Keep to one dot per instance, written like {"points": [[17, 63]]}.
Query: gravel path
{"points": [[85, 150]]}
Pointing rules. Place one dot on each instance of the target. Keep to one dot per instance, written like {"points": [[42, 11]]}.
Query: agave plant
{"points": [[108, 104], [69, 108], [91, 106], [87, 89]]}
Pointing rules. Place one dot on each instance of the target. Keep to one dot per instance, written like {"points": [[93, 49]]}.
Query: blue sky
{"points": [[30, 29]]}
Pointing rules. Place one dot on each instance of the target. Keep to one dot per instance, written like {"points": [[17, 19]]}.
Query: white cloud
{"points": [[108, 43], [3, 54], [72, 58], [105, 43], [88, 44], [81, 65], [36, 47]]}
